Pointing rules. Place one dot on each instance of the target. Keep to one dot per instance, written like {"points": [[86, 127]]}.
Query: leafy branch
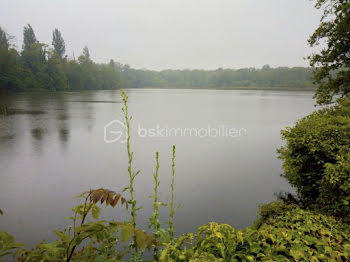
{"points": [[84, 231]]}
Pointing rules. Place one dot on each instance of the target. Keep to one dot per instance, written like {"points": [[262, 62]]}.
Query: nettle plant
{"points": [[90, 239]]}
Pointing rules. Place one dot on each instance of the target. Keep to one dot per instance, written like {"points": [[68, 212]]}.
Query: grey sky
{"points": [[177, 34]]}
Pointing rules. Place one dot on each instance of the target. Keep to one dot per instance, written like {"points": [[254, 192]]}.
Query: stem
{"points": [[132, 175], [85, 212], [172, 210], [155, 220], [156, 184]]}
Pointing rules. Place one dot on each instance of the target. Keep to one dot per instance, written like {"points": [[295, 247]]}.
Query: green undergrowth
{"points": [[282, 233]]}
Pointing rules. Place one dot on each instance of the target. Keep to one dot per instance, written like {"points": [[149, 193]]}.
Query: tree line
{"points": [[38, 66], [281, 77]]}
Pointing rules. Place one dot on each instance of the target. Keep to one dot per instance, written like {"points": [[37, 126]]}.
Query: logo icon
{"points": [[114, 132]]}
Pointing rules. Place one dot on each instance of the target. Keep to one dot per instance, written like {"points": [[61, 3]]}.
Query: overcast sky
{"points": [[176, 34]]}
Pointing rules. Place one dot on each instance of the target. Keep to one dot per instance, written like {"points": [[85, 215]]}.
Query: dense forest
{"points": [[281, 77], [38, 66]]}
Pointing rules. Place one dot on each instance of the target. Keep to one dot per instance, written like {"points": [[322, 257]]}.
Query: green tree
{"points": [[332, 63], [58, 43], [29, 37], [86, 53], [4, 59], [43, 68], [88, 70], [74, 75], [55, 71], [4, 41], [84, 58], [11, 70], [34, 55]]}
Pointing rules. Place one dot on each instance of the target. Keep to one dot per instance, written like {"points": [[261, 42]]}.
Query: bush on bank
{"points": [[282, 233], [316, 159]]}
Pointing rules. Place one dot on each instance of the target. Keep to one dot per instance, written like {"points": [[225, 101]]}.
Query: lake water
{"points": [[47, 159]]}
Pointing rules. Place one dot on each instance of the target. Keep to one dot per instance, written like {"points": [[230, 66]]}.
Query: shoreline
{"points": [[168, 87]]}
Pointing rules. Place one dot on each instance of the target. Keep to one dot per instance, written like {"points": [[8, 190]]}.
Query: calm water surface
{"points": [[47, 159]]}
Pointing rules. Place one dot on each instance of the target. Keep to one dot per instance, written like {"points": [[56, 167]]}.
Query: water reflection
{"points": [[63, 135], [37, 133], [87, 110], [62, 118], [37, 137]]}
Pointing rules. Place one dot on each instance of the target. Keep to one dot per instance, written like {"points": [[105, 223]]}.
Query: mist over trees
{"points": [[38, 66]]}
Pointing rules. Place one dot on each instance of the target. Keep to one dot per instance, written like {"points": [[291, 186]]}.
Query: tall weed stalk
{"points": [[132, 174], [154, 219], [172, 208]]}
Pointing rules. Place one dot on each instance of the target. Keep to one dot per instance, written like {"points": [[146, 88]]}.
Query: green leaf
{"points": [[64, 238], [250, 258], [127, 232], [141, 239], [95, 211], [77, 241]]}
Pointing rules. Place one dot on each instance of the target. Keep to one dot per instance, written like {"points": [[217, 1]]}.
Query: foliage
{"points": [[29, 37], [162, 235], [7, 244], [86, 53], [332, 63], [154, 219], [335, 188], [39, 67], [102, 235], [280, 77], [55, 72], [316, 159], [283, 233], [58, 43], [4, 42], [10, 65]]}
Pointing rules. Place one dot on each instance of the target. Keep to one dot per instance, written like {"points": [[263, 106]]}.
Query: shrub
{"points": [[88, 238], [284, 233], [316, 159], [335, 188]]}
